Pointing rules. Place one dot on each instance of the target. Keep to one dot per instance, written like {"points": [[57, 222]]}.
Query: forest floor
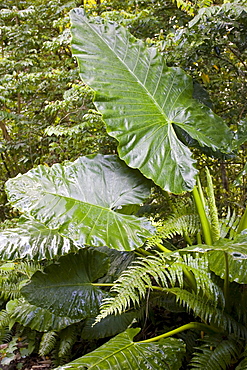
{"points": [[29, 363]]}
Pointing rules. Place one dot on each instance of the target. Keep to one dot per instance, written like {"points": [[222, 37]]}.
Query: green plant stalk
{"points": [[215, 227], [162, 248], [191, 325], [203, 217], [191, 279], [199, 187], [199, 238], [153, 287], [142, 252], [243, 222], [187, 238], [226, 281], [102, 284]]}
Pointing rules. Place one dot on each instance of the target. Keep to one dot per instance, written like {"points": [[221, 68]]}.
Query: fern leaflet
{"points": [[47, 343], [143, 273], [216, 354], [208, 312]]}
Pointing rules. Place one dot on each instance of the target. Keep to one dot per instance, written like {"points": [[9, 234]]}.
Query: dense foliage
{"points": [[124, 235]]}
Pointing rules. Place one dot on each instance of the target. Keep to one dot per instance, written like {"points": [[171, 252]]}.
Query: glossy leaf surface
{"points": [[237, 257], [109, 326], [32, 239], [35, 317], [65, 288], [121, 353], [142, 101], [79, 200]]}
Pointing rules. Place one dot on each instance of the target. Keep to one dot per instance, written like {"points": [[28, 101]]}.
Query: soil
{"points": [[28, 363]]}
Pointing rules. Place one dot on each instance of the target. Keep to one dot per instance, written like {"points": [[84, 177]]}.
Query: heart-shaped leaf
{"points": [[121, 353], [142, 101], [32, 239], [35, 317], [79, 201], [237, 257], [66, 289], [109, 326]]}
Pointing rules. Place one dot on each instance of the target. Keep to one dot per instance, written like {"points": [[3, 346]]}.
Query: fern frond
{"points": [[243, 363], [143, 273], [48, 342], [4, 326], [9, 290], [208, 312], [132, 284], [239, 298], [220, 12], [216, 354], [67, 339], [199, 266], [229, 224], [4, 319], [182, 222], [28, 268], [12, 274], [5, 335]]}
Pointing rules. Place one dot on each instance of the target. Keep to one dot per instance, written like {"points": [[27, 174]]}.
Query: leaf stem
{"points": [[226, 281], [191, 279], [162, 248], [243, 222], [102, 284], [203, 216], [153, 287], [215, 227], [191, 325], [187, 238]]}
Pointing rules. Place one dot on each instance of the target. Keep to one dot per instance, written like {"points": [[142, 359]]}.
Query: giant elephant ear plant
{"points": [[69, 210]]}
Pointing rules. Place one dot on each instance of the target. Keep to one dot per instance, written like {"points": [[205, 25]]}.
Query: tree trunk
{"points": [[6, 135]]}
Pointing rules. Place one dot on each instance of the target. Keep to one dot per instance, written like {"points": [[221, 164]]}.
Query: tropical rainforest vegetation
{"points": [[123, 222]]}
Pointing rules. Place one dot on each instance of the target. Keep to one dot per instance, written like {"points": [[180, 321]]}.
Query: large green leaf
{"points": [[34, 240], [142, 101], [119, 261], [65, 288], [109, 326], [237, 257], [35, 317], [80, 200], [121, 353]]}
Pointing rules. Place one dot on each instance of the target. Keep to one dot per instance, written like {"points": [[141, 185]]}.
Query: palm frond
{"points": [[216, 353]]}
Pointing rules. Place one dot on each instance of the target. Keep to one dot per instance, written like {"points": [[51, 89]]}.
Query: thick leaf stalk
{"points": [[215, 227], [203, 217]]}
